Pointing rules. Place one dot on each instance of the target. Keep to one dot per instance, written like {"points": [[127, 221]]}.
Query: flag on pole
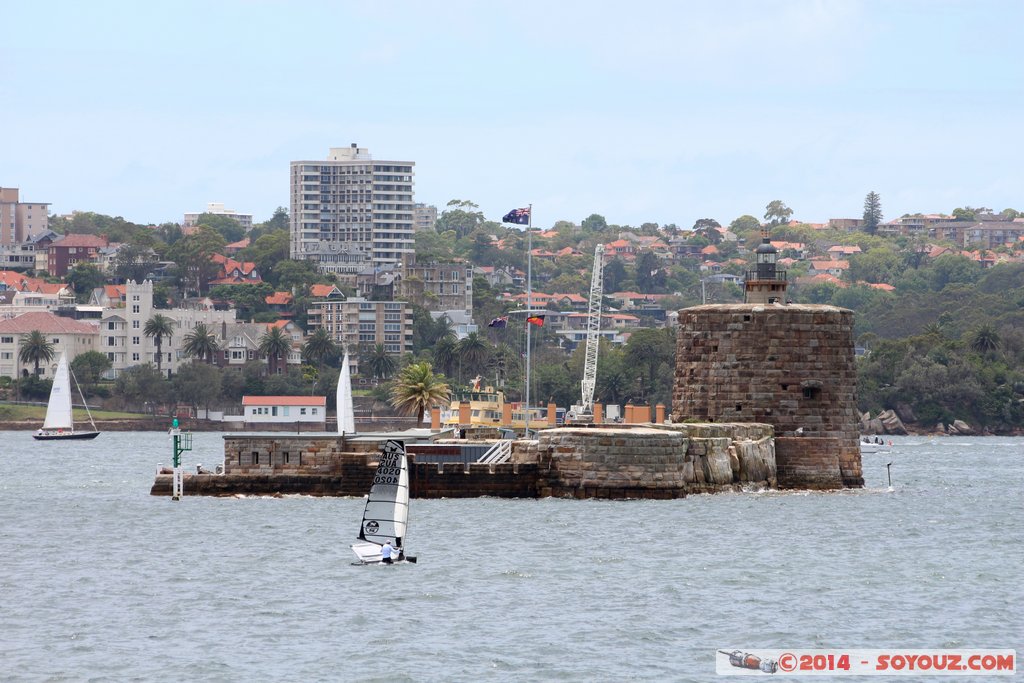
{"points": [[537, 320], [517, 216], [498, 322]]}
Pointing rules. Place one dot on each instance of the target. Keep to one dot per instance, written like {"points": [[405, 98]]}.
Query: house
{"points": [[66, 335], [842, 251], [833, 268], [262, 410], [64, 254], [234, 272], [280, 302], [622, 249], [109, 296]]}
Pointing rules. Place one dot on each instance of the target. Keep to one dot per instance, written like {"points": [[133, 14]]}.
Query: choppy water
{"points": [[101, 581]]}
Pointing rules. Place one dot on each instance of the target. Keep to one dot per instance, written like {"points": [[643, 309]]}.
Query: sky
{"points": [[662, 112]]}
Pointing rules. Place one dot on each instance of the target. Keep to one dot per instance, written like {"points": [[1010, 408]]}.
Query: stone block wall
{"points": [[787, 365], [808, 463]]}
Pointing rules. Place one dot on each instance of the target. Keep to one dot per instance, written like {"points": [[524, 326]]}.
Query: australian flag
{"points": [[517, 216], [498, 322]]}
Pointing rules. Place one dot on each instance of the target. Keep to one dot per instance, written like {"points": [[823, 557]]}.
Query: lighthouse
{"points": [[766, 284]]}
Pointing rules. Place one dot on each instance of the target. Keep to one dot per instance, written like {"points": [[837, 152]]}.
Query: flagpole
{"points": [[529, 308]]}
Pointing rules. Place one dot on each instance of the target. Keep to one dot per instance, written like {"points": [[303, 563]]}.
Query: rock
{"points": [[962, 427], [875, 426], [940, 428], [891, 422], [905, 412]]}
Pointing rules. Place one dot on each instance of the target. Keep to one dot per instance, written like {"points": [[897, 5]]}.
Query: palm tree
{"points": [[417, 389], [318, 347], [35, 348], [445, 353], [380, 362], [473, 352], [201, 343], [158, 327], [984, 339], [275, 345]]}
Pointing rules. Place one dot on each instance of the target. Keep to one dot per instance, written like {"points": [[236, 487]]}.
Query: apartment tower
{"points": [[350, 212]]}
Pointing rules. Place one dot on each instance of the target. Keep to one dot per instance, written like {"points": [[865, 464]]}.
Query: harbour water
{"points": [[101, 581]]}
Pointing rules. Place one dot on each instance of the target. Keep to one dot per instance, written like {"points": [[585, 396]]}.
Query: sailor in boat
{"points": [[385, 553]]}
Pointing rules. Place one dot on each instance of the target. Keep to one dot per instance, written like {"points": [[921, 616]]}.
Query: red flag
{"points": [[537, 320]]}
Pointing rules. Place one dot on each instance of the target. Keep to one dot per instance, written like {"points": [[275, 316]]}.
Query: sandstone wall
{"points": [[787, 365]]}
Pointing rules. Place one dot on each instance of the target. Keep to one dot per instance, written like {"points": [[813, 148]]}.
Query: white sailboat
{"points": [[59, 423], [386, 515], [346, 411]]}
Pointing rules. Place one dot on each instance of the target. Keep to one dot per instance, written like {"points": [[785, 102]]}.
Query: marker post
{"points": [[182, 443]]}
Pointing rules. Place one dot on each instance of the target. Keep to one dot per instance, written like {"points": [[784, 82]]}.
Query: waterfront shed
{"points": [[259, 410]]}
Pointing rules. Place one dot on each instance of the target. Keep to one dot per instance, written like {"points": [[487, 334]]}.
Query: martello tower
{"points": [[787, 365]]}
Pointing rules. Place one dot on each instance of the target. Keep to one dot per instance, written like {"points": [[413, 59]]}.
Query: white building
{"points": [[217, 209], [259, 410], [72, 337], [350, 212]]}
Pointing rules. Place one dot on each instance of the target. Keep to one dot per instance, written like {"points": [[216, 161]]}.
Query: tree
{"points": [[472, 353], [417, 389], [197, 384], [248, 299], [653, 350], [872, 212], [84, 278], [984, 340], [159, 327], [228, 227], [35, 347], [445, 352], [318, 347], [140, 384], [745, 224], [89, 367], [461, 216], [201, 343], [650, 276], [194, 256], [134, 262], [776, 212], [380, 363], [594, 223], [275, 345]]}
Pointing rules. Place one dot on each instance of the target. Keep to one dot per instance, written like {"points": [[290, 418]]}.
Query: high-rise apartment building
{"points": [[424, 216], [351, 212], [217, 209], [19, 221]]}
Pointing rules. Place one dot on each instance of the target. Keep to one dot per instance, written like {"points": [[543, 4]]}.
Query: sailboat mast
{"points": [[529, 309], [82, 396]]}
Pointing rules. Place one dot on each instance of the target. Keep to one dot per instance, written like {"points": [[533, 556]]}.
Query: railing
{"points": [[501, 451]]}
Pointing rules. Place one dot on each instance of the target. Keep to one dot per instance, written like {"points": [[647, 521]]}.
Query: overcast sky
{"points": [[659, 112]]}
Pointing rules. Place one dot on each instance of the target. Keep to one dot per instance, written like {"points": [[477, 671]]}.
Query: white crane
{"points": [[584, 412]]}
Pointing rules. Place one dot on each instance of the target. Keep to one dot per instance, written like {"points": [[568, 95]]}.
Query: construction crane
{"points": [[584, 412]]}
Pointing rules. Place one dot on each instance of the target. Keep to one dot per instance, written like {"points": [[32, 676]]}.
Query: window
{"points": [[314, 411], [135, 340], [110, 326], [110, 357], [135, 297], [55, 341], [135, 324], [110, 341], [284, 411], [7, 340], [135, 357], [273, 411], [135, 308], [302, 411]]}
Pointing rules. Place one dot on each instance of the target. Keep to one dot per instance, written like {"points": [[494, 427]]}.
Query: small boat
{"points": [[874, 445], [386, 515], [59, 424]]}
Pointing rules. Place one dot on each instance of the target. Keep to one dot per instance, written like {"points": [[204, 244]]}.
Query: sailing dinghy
{"points": [[386, 515], [59, 424]]}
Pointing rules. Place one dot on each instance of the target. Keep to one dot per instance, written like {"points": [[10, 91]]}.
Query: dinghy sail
{"points": [[346, 410], [386, 515]]}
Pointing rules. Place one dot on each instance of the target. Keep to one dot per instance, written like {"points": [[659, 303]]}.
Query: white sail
{"points": [[386, 515], [58, 410], [346, 411]]}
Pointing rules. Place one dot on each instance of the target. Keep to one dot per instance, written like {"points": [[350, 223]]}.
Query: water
{"points": [[101, 581]]}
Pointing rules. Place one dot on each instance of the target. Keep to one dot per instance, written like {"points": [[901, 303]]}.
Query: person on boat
{"points": [[39, 432], [386, 551]]}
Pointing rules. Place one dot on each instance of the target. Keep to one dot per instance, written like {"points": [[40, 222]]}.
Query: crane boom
{"points": [[584, 412]]}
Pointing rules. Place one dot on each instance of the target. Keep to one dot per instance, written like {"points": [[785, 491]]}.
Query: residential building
{"points": [[217, 209], [350, 212], [846, 224], [440, 286], [356, 322], [122, 328], [462, 322], [72, 337], [282, 409], [424, 216], [20, 221], [64, 254]]}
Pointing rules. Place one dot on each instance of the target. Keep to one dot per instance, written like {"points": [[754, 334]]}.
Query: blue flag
{"points": [[517, 216]]}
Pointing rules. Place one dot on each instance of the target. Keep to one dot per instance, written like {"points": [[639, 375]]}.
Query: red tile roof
{"points": [[47, 323], [284, 400], [279, 299], [81, 240]]}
